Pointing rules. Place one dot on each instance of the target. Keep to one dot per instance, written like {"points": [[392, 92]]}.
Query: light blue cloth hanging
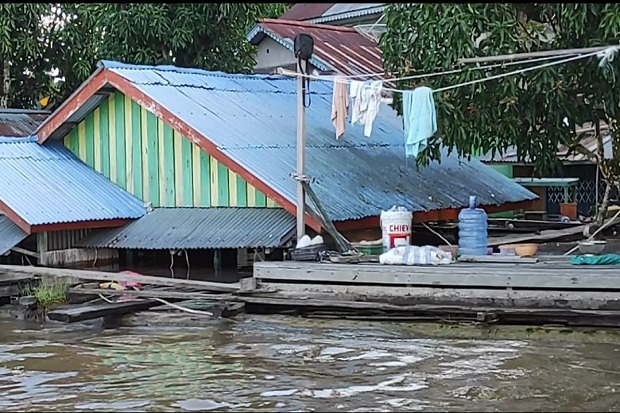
{"points": [[420, 119]]}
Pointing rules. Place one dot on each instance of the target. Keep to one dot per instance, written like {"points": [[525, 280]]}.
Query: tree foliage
{"points": [[26, 53], [526, 110], [76, 35]]}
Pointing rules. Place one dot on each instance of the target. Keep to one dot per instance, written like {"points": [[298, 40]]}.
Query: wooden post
{"points": [[301, 150]]}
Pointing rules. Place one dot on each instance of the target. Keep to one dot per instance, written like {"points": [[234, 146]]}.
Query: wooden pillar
{"points": [[217, 261]]}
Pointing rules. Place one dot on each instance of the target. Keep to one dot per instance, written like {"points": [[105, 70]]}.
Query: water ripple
{"points": [[264, 364]]}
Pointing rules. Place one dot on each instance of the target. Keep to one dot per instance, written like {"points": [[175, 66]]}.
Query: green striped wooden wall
{"points": [[144, 155]]}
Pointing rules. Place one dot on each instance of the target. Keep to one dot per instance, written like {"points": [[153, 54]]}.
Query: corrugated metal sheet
{"points": [[253, 120], [46, 184], [10, 234], [589, 142], [330, 12], [345, 11], [306, 11], [339, 49], [199, 228], [20, 123]]}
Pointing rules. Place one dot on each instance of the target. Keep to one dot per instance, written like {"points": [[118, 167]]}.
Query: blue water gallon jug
{"points": [[472, 230]]}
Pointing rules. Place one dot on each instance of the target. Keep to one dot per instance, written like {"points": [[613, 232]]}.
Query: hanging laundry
{"points": [[420, 119], [340, 106], [354, 92], [366, 103]]}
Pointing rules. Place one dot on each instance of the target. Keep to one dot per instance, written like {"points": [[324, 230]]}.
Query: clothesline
{"points": [[418, 106], [340, 79], [348, 78]]}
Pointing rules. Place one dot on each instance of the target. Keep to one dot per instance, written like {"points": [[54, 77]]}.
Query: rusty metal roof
{"points": [[306, 11], [20, 123], [338, 49]]}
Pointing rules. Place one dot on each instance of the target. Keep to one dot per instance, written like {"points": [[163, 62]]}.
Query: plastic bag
{"points": [[607, 259], [413, 255]]}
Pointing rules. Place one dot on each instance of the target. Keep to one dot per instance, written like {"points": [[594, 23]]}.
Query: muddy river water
{"points": [[287, 364]]}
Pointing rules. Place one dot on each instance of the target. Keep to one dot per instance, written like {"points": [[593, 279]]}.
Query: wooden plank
{"points": [[150, 294], [109, 276], [8, 277], [10, 290], [82, 313], [509, 259], [104, 137], [548, 235], [591, 300], [539, 268], [336, 308], [26, 252], [360, 305], [533, 276]]}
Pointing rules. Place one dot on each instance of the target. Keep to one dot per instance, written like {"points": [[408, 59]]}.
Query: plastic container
{"points": [[396, 227], [309, 253], [507, 249], [473, 230], [369, 247]]}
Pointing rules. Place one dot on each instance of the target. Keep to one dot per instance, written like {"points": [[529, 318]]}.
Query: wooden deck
{"points": [[551, 291], [554, 274]]}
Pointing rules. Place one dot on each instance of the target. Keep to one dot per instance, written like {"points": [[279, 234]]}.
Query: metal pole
{"points": [[301, 151]]}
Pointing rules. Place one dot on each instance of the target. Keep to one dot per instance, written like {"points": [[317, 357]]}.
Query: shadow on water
{"points": [[288, 364]]}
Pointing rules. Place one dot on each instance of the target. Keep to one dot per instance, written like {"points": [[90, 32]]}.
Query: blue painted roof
{"points": [[47, 184], [10, 234], [252, 119], [199, 228]]}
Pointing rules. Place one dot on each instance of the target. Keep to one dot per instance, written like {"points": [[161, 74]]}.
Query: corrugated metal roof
{"points": [[46, 184], [253, 120], [10, 234], [306, 11], [199, 228], [339, 49], [20, 123], [589, 142], [330, 12], [344, 11]]}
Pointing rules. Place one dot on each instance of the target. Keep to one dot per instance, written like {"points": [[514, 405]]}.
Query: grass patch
{"points": [[47, 295]]}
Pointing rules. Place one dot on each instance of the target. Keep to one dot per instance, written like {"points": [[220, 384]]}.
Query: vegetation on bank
{"points": [[48, 295]]}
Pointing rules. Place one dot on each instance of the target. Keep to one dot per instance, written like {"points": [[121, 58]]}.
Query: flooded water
{"points": [[286, 364]]}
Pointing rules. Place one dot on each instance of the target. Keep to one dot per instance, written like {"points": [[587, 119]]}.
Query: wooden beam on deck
{"points": [[538, 276], [63, 273], [481, 297], [75, 314]]}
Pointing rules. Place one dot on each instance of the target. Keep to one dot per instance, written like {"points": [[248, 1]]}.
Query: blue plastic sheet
{"points": [[607, 259]]}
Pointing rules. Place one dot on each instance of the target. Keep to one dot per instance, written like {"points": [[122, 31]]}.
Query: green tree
{"points": [[71, 37], [211, 36], [27, 53], [526, 110]]}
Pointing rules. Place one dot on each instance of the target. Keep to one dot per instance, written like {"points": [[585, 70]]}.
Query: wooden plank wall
{"points": [[144, 155]]}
